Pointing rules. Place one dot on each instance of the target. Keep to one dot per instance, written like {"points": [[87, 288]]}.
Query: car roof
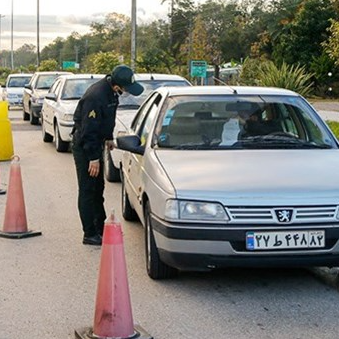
{"points": [[52, 72], [225, 90], [17, 75], [82, 76], [157, 76]]}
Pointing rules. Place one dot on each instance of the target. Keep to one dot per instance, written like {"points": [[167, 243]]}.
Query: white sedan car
{"points": [[59, 106], [231, 176], [128, 106]]}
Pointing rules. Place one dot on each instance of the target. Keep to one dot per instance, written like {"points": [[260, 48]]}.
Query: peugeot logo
{"points": [[284, 215]]}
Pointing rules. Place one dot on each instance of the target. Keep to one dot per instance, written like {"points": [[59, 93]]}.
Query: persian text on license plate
{"points": [[285, 240]]}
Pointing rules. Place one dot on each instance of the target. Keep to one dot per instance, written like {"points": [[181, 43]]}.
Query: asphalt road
{"points": [[48, 283]]}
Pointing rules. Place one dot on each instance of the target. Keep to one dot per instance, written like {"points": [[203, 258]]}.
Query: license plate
{"points": [[284, 240]]}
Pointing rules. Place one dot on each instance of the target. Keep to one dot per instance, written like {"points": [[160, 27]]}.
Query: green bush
{"points": [[334, 126], [293, 77]]}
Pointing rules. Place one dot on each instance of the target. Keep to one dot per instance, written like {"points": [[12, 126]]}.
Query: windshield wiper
{"points": [[71, 98], [130, 106], [275, 141]]}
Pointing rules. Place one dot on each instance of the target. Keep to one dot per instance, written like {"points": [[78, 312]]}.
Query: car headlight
{"points": [[67, 117], [195, 211]]}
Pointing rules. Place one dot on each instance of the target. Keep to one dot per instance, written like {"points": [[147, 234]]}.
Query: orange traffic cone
{"points": [[113, 313], [15, 223]]}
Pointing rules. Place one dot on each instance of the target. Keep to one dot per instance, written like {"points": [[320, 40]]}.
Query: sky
{"points": [[59, 18]]}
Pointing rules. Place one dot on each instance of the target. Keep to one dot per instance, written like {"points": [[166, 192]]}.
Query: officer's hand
{"points": [[110, 144], [94, 168]]}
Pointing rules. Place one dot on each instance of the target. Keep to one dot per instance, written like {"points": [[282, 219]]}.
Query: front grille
{"points": [[267, 214]]}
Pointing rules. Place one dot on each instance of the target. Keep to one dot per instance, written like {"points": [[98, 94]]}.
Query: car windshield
{"points": [[74, 89], [45, 81], [129, 101], [18, 81], [238, 122]]}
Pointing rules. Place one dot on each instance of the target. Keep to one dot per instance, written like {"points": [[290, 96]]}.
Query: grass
{"points": [[334, 126]]}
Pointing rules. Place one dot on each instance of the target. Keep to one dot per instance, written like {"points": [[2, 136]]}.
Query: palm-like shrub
{"points": [[293, 77]]}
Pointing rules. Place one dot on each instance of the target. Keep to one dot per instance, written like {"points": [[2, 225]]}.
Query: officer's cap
{"points": [[123, 76]]}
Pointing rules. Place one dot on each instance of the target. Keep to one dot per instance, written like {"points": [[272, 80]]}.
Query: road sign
{"points": [[198, 68], [68, 64]]}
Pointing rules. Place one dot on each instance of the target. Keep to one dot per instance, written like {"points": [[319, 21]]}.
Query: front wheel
{"points": [[46, 137], [33, 119], [112, 173], [128, 211], [60, 145], [156, 269]]}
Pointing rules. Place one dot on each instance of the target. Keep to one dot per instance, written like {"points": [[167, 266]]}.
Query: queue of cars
{"points": [[218, 176], [221, 176]]}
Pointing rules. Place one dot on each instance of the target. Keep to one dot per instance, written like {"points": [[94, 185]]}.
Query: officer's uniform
{"points": [[94, 120]]}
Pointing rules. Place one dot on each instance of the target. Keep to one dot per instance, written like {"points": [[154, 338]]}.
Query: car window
{"points": [[127, 100], [54, 86], [148, 122], [45, 81], [57, 88], [76, 88], [143, 111], [258, 122], [18, 81]]}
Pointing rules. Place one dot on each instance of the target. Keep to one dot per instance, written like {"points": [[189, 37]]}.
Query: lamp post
{"points": [[133, 33], [38, 33], [12, 55], [1, 16]]}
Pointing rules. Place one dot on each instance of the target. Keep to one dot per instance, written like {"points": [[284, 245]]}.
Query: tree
{"points": [[103, 63], [48, 65]]}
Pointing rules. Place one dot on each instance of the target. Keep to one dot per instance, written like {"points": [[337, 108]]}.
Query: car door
{"points": [[141, 126], [28, 93], [49, 107]]}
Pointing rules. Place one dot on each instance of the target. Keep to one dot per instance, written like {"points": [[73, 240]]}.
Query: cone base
{"points": [[87, 333], [19, 235]]}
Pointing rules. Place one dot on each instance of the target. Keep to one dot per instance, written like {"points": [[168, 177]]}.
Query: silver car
{"points": [[128, 106], [241, 176]]}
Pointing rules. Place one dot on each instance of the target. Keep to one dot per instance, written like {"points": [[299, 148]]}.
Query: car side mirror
{"points": [[131, 143], [51, 96], [28, 86]]}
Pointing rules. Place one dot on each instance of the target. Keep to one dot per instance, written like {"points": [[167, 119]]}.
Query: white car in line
{"points": [[128, 106], [14, 88], [59, 106]]}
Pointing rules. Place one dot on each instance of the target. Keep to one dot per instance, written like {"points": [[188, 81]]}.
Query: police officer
{"points": [[94, 121]]}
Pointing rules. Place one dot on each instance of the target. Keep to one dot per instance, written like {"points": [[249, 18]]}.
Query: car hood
{"points": [[261, 177], [68, 105], [14, 90]]}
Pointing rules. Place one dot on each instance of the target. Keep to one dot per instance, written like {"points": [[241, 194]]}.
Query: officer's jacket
{"points": [[94, 118]]}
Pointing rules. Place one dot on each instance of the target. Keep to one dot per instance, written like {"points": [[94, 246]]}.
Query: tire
{"points": [[128, 212], [46, 137], [33, 119], [60, 145], [25, 115], [156, 269], [112, 173]]}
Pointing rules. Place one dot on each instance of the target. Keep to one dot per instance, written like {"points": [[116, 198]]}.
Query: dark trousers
{"points": [[90, 194]]}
